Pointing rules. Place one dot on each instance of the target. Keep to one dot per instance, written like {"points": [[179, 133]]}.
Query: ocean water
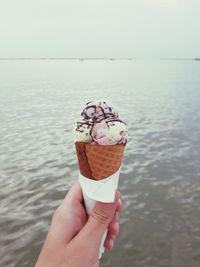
{"points": [[160, 175]]}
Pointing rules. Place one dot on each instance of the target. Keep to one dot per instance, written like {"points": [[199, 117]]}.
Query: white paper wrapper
{"points": [[102, 190]]}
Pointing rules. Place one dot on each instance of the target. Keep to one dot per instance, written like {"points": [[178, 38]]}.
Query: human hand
{"points": [[73, 239]]}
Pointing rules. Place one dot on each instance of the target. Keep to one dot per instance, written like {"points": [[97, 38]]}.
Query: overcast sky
{"points": [[99, 28]]}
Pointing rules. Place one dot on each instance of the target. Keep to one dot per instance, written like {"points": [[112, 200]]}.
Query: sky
{"points": [[100, 28]]}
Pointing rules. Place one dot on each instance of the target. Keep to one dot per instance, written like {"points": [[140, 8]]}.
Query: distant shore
{"points": [[98, 58]]}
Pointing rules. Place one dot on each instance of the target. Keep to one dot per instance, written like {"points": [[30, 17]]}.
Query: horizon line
{"points": [[99, 58]]}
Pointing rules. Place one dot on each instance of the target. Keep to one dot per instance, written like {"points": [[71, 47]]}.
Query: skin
{"points": [[74, 238]]}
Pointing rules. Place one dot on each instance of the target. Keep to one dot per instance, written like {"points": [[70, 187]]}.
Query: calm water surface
{"points": [[160, 178]]}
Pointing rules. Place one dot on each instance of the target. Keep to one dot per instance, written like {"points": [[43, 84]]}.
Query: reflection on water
{"points": [[160, 179]]}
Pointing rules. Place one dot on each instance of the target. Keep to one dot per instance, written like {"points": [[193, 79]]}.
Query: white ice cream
{"points": [[82, 131]]}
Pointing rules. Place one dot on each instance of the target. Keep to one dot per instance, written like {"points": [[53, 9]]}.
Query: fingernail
{"points": [[119, 205], [117, 225], [111, 243], [116, 218]]}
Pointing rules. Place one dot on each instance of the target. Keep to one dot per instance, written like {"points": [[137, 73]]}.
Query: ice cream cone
{"points": [[98, 162]]}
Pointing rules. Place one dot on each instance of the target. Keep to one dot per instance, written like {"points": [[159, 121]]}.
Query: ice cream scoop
{"points": [[109, 132], [82, 131], [98, 110], [117, 133]]}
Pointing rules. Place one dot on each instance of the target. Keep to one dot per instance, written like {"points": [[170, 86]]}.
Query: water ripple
{"points": [[160, 174]]}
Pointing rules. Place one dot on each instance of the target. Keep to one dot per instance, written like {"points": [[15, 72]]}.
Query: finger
{"points": [[113, 227], [115, 218], [97, 223], [109, 242], [62, 227], [119, 205]]}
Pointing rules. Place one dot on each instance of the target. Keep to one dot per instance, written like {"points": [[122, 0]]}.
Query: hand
{"points": [[73, 239]]}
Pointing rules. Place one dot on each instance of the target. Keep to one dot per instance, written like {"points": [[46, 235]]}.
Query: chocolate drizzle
{"points": [[98, 117], [80, 124]]}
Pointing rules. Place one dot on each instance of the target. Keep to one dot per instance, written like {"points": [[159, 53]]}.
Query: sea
{"points": [[40, 100]]}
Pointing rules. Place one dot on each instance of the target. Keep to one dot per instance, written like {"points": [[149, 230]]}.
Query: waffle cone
{"points": [[98, 162]]}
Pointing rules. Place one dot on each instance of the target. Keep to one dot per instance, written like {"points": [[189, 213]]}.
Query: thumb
{"points": [[98, 222]]}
